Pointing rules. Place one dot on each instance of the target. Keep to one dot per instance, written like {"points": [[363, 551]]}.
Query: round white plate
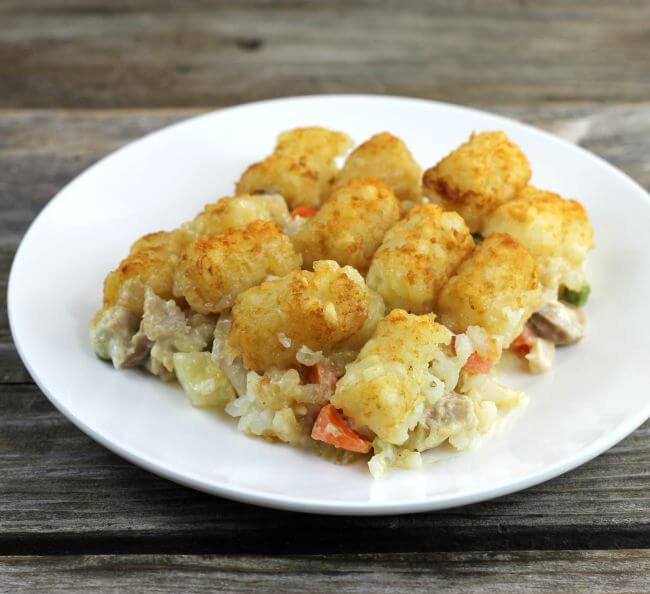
{"points": [[596, 394]]}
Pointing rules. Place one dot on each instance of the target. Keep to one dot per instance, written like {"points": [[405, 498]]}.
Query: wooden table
{"points": [[79, 79]]}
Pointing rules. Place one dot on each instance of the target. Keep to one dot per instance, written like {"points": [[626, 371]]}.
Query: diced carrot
{"points": [[323, 375], [527, 334], [477, 364], [521, 350], [523, 344], [331, 428], [304, 211]]}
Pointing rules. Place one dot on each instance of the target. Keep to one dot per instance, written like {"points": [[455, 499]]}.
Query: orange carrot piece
{"points": [[477, 364], [305, 212], [523, 344], [331, 428]]}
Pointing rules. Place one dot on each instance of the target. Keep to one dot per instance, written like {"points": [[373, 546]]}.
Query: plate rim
{"points": [[325, 506]]}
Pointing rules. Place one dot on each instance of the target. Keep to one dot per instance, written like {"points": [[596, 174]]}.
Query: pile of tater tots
{"points": [[357, 306]]}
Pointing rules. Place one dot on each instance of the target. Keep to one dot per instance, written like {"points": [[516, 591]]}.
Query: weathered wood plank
{"points": [[145, 53], [449, 573], [62, 492], [41, 151]]}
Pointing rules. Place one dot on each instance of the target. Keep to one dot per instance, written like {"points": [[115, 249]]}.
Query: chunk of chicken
{"points": [[559, 323]]}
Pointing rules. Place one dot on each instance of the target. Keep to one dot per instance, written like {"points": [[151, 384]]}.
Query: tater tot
{"points": [[477, 177], [387, 158], [376, 312], [214, 269], [556, 231], [237, 211], [319, 309], [385, 389], [350, 226], [302, 168], [496, 288], [417, 257], [151, 263]]}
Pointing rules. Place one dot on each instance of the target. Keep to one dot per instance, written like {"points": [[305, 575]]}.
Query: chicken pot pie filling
{"points": [[360, 311]]}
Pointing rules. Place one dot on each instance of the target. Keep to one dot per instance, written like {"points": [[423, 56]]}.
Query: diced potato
{"points": [[151, 263], [478, 176], [486, 388], [388, 457], [556, 231], [387, 158], [237, 211], [417, 257], [387, 387], [496, 288], [319, 309], [202, 379], [302, 168], [214, 269], [350, 225]]}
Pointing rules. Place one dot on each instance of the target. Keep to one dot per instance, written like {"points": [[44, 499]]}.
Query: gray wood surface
{"points": [[80, 78], [161, 53], [586, 572]]}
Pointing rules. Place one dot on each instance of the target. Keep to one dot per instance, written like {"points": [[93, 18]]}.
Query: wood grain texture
{"points": [[147, 53], [445, 573], [579, 68], [62, 492]]}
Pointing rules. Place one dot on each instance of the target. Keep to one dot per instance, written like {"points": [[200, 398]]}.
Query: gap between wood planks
{"points": [[440, 542]]}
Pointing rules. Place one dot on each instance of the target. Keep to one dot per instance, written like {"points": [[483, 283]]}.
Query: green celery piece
{"points": [[577, 298]]}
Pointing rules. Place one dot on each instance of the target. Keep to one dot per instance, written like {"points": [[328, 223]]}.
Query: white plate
{"points": [[596, 394]]}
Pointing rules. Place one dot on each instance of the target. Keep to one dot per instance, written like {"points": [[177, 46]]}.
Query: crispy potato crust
{"points": [[417, 257], [214, 269], [556, 231], [384, 389], [350, 225], [319, 309], [496, 288], [151, 263], [387, 158], [478, 176], [376, 312], [302, 167], [237, 211]]}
